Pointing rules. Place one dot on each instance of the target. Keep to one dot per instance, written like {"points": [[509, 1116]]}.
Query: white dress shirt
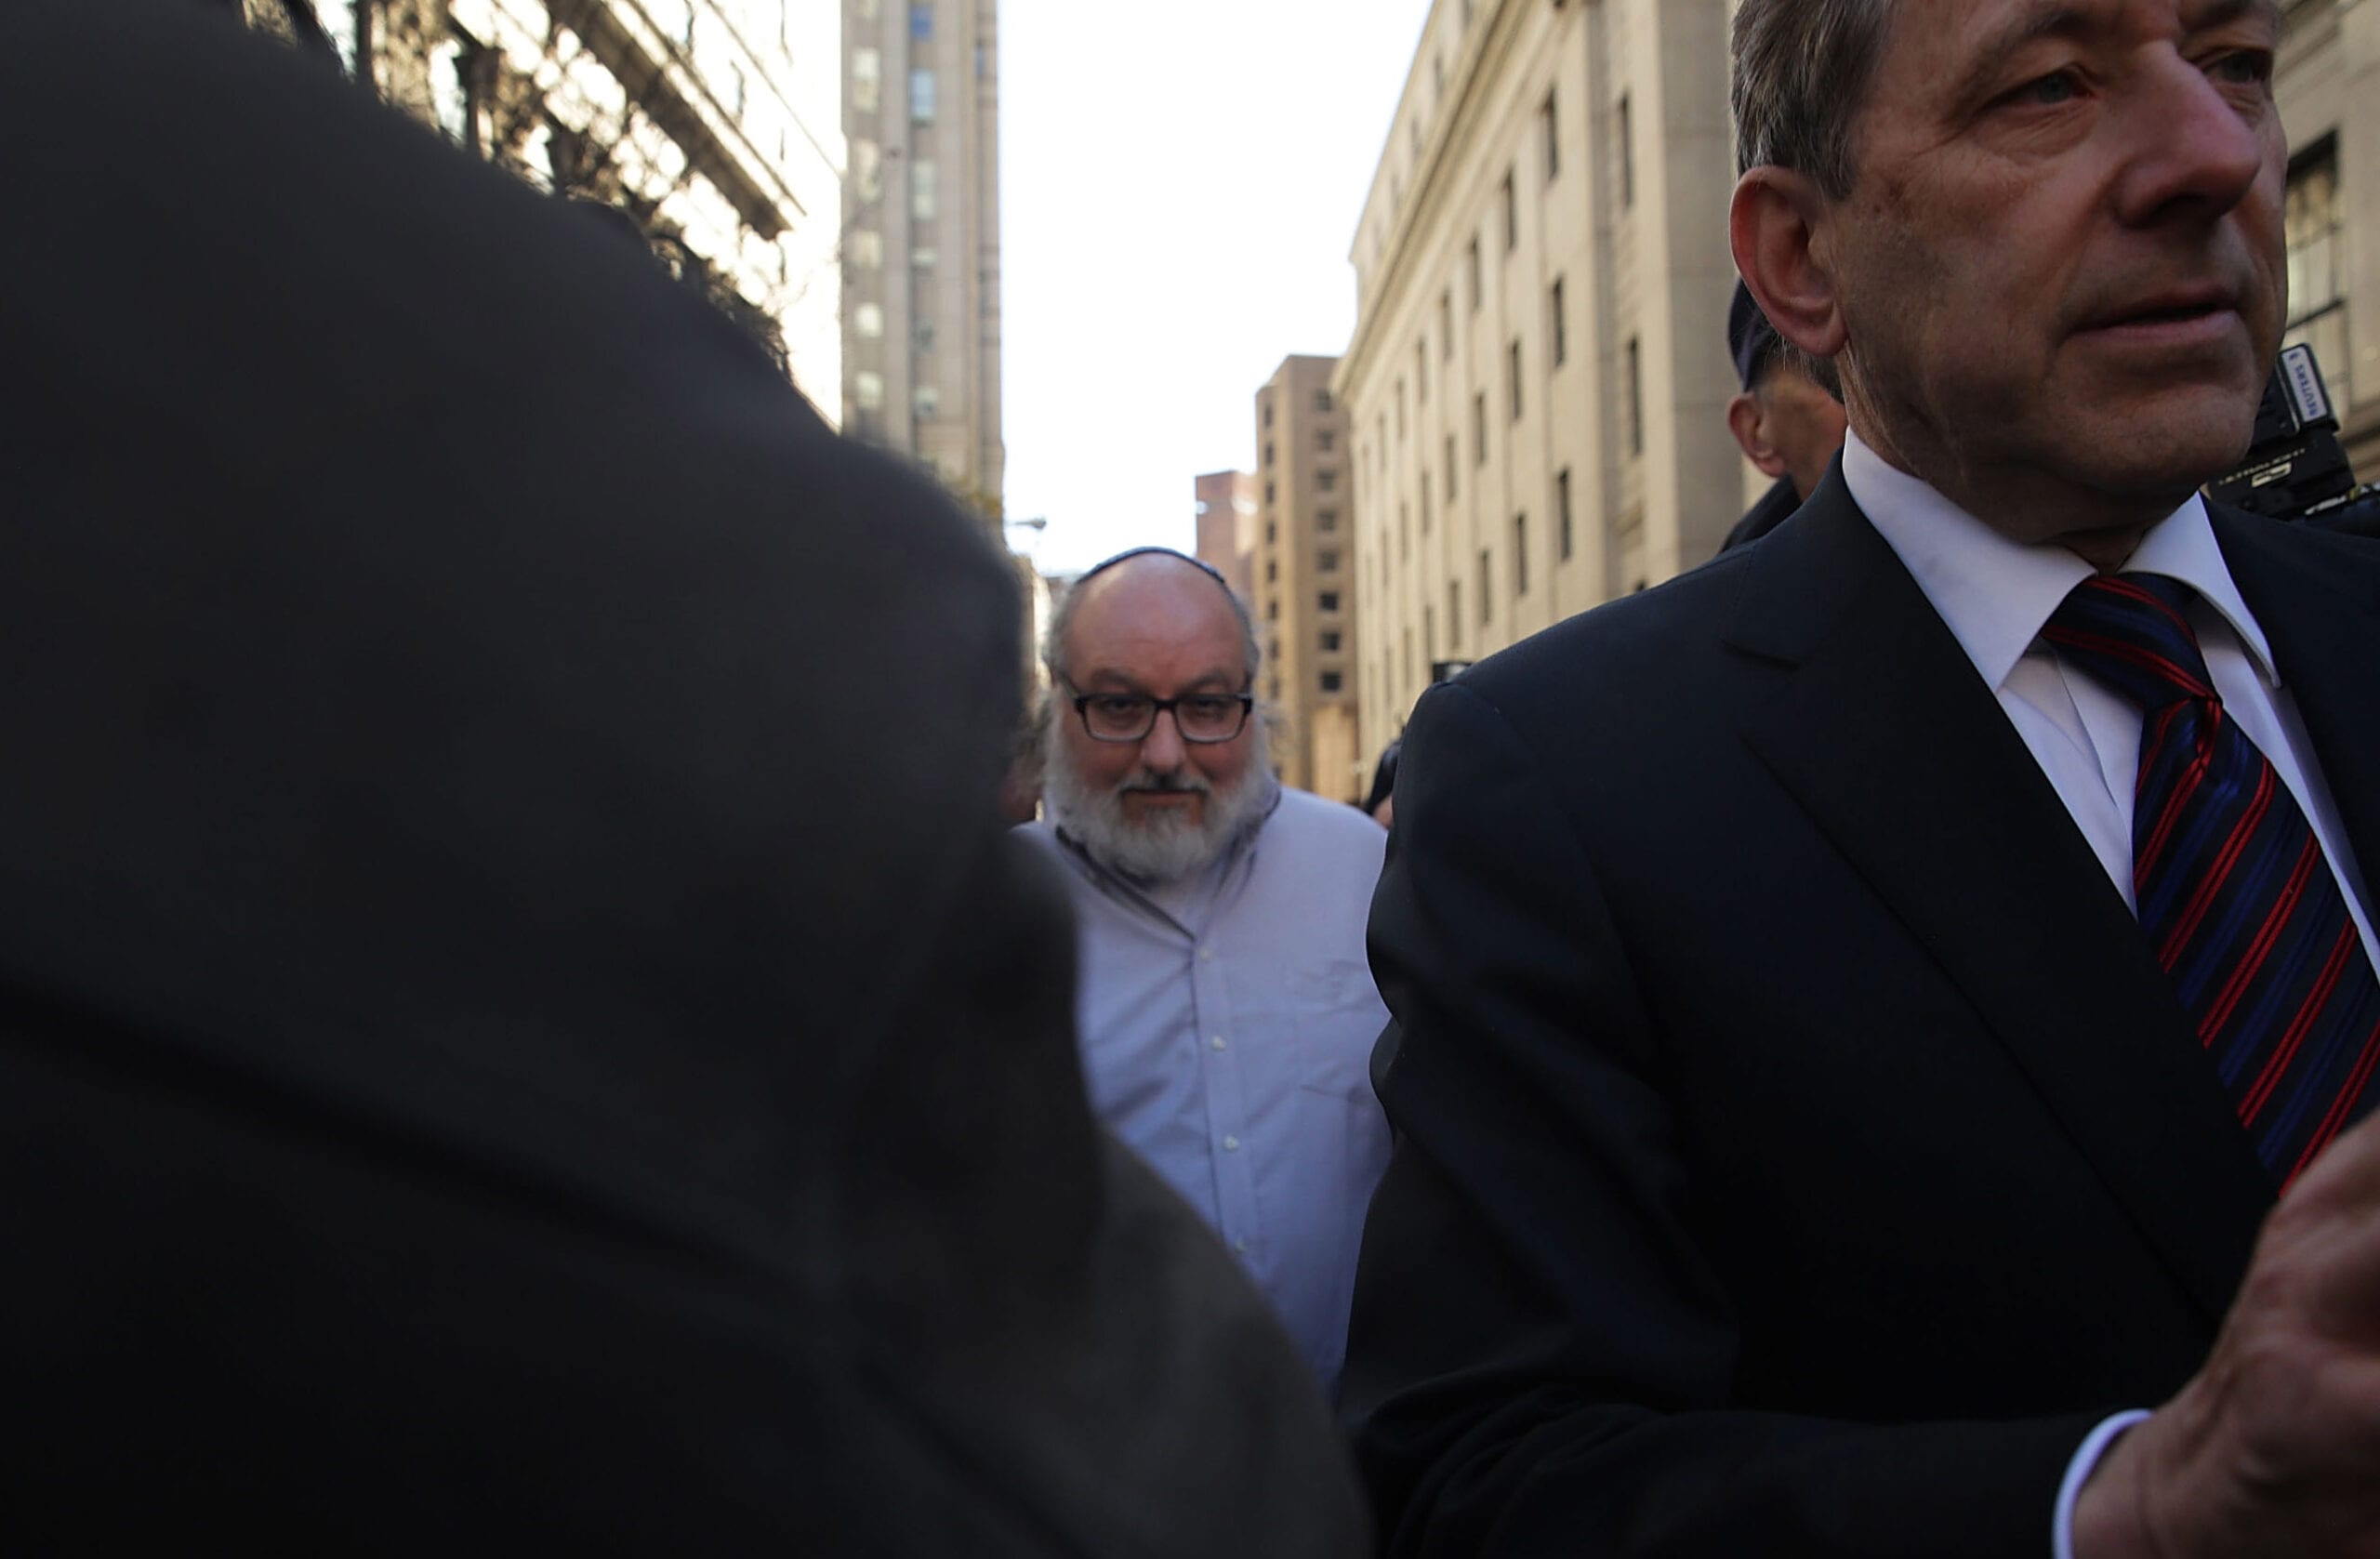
{"points": [[1995, 595], [1227, 1025]]}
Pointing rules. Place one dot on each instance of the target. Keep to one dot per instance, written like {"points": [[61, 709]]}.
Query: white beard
{"points": [[1165, 846]]}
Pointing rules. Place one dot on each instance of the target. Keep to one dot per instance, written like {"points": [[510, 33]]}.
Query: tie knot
{"points": [[2130, 631]]}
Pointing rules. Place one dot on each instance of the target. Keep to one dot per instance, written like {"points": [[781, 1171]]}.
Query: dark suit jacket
{"points": [[520, 1028], [1776, 505], [1799, 1148]]}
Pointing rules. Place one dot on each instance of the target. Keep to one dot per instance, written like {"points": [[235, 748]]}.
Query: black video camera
{"points": [[2296, 468]]}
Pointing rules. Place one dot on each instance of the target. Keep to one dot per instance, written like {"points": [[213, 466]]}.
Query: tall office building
{"points": [[922, 256], [709, 125], [1539, 378], [2328, 85], [1226, 512], [1304, 563]]}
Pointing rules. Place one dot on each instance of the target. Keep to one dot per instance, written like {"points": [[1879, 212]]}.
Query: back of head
{"points": [[519, 1019]]}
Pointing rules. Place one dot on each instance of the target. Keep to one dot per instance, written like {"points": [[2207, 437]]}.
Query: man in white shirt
{"points": [[1881, 1023], [1227, 1013]]}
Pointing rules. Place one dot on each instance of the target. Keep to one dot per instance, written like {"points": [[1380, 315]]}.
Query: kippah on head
{"points": [[1751, 341]]}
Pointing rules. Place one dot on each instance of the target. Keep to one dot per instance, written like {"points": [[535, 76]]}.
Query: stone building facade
{"points": [[1304, 563]]}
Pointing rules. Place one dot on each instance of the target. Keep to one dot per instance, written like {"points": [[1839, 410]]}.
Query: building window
{"points": [[1273, 615], [1272, 570], [867, 321], [1421, 373], [1268, 414], [921, 23], [1549, 133], [926, 401], [1558, 327], [1562, 510], [1429, 633], [1326, 518], [1404, 531], [1325, 440], [1636, 392], [925, 336], [1326, 563], [921, 104], [1478, 291], [867, 388], [1450, 469], [921, 190], [1425, 505], [2311, 221], [1325, 482], [1331, 641], [1268, 498], [1333, 681], [1520, 555], [1445, 324], [1627, 138], [866, 249], [1322, 402], [1400, 410], [1272, 529], [1487, 573], [1412, 667], [867, 79], [1511, 214], [1479, 429], [1516, 378], [1268, 455], [1327, 601], [924, 260], [1454, 614]]}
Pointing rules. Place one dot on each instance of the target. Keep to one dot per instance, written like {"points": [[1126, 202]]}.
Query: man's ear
{"points": [[1748, 423], [1773, 224]]}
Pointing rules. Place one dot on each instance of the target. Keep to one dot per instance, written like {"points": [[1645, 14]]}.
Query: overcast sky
{"points": [[1179, 188]]}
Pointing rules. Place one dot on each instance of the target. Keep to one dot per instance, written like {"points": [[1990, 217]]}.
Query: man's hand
{"points": [[2273, 1449]]}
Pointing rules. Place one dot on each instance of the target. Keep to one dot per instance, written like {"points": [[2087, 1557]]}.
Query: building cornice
{"points": [[1459, 128]]}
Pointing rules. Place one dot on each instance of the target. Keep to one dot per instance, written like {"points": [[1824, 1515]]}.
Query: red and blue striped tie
{"points": [[2234, 893]]}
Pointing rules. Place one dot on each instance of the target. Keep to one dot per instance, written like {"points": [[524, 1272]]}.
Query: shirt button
{"points": [[1240, 1245], [1231, 1144], [1216, 1043], [1206, 955]]}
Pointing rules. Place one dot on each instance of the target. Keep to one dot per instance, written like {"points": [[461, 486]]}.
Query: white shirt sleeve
{"points": [[2077, 1472]]}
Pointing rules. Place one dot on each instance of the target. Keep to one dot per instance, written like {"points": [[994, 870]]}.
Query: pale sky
{"points": [[1179, 186]]}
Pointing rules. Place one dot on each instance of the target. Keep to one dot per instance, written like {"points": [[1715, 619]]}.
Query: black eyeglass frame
{"points": [[1247, 701]]}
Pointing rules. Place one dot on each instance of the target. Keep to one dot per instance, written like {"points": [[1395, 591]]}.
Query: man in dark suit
{"points": [[520, 1029], [1878, 1023]]}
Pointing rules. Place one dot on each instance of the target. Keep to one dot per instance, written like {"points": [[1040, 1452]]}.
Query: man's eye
{"points": [[2246, 67], [1116, 706], [2046, 91], [1208, 708]]}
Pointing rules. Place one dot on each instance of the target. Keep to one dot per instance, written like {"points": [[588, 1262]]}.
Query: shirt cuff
{"points": [[2077, 1472]]}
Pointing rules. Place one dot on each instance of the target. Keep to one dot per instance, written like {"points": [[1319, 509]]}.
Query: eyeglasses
{"points": [[1203, 717]]}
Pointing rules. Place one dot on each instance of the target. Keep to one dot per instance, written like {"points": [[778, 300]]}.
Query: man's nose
{"points": [[2196, 146], [1163, 749]]}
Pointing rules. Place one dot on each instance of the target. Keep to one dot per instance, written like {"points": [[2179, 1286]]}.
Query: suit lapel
{"points": [[1900, 754], [2318, 599]]}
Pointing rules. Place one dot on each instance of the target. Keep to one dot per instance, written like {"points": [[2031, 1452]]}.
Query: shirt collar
{"points": [[1994, 593]]}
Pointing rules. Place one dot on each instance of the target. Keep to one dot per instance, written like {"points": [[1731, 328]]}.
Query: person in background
{"points": [[520, 1029], [1227, 1012], [1881, 1019], [1788, 418]]}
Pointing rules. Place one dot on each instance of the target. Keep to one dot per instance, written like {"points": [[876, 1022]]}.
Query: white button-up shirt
{"points": [[1227, 1028]]}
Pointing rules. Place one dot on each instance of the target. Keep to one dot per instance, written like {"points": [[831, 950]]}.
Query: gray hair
{"points": [[1800, 72], [1061, 620]]}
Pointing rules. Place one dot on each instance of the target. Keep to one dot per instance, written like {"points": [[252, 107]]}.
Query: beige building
{"points": [[1537, 380], [921, 253], [1226, 512], [2328, 87], [1304, 562], [712, 124]]}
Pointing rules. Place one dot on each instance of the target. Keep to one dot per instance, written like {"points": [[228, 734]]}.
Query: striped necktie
{"points": [[2234, 893]]}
